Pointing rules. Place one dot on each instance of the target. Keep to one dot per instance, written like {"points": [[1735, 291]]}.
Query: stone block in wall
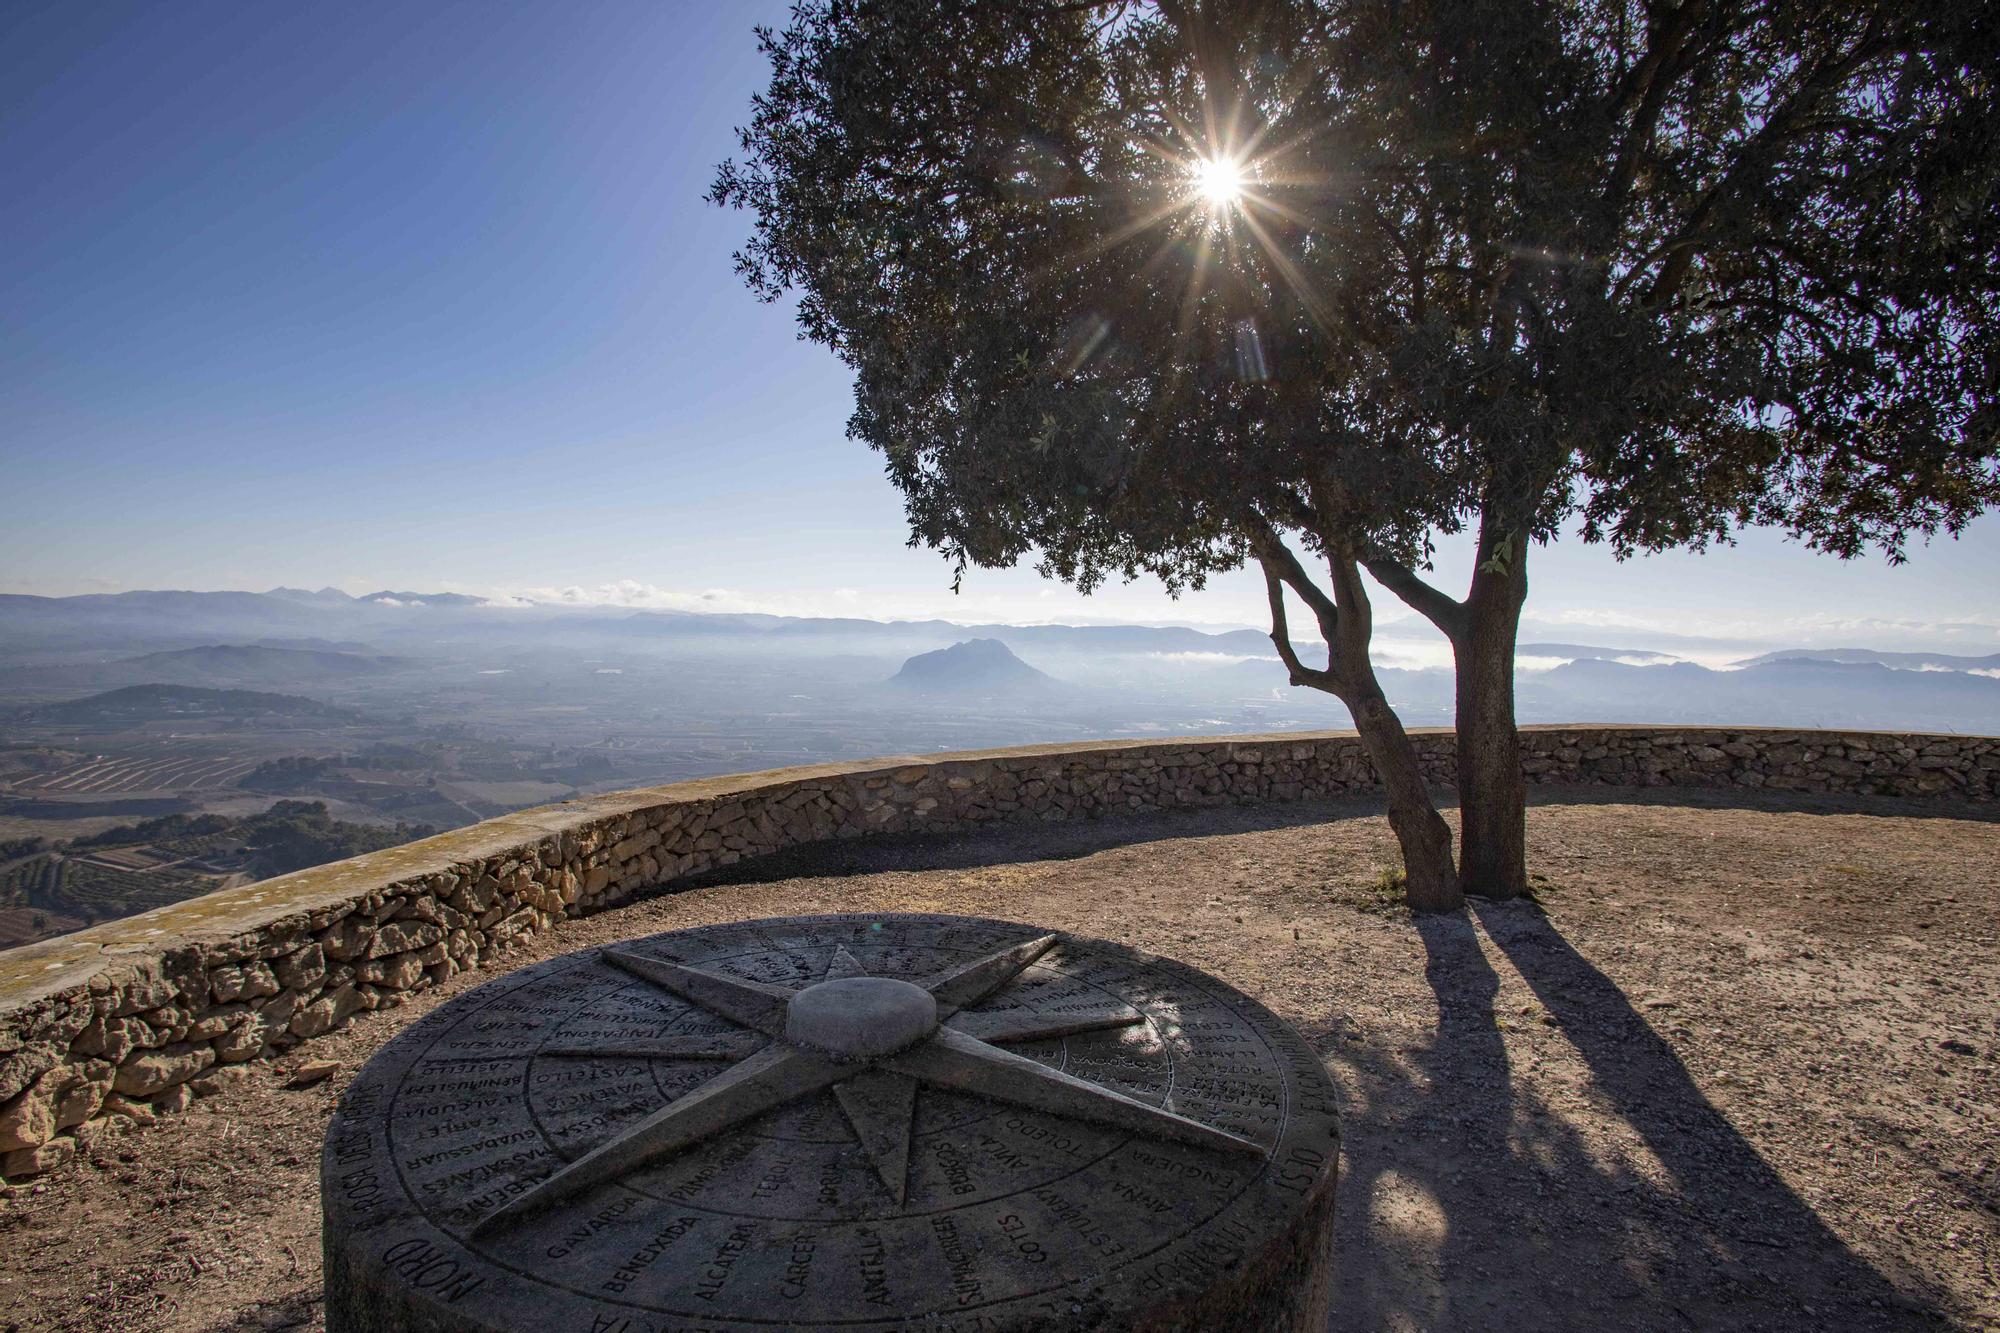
{"points": [[274, 1019], [216, 1022], [302, 969], [155, 1071], [327, 1012], [127, 1108], [112, 1038], [508, 927], [348, 938], [82, 1091], [140, 985], [386, 907], [399, 972], [245, 1041], [477, 894], [403, 936], [29, 1119], [24, 1163]]}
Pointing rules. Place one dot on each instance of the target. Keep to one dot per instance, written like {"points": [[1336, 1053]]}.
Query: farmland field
{"points": [[43, 895], [21, 925], [136, 774]]}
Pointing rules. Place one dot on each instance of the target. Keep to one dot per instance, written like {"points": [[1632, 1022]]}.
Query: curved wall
{"points": [[135, 1017]]}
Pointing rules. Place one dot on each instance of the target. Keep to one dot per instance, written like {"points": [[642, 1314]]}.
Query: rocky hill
{"points": [[258, 664], [976, 666], [142, 703]]}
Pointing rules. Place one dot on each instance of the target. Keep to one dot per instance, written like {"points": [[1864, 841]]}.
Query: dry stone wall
{"points": [[135, 1018]]}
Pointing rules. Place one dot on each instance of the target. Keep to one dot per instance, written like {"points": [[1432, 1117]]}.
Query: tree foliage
{"points": [[1681, 267], [1658, 270]]}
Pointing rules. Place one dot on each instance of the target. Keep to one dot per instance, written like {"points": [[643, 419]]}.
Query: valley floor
{"points": [[1736, 1071]]}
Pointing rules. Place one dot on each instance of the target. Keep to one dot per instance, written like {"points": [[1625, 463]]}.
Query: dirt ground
{"points": [[1735, 1071]]}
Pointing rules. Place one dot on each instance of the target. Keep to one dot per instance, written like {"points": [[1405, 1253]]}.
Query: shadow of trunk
{"points": [[1471, 1201], [1713, 1196]]}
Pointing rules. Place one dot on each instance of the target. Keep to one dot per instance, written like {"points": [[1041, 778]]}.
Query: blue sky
{"points": [[426, 296]]}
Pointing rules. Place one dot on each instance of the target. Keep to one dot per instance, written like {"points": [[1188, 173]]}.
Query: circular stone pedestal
{"points": [[836, 1122]]}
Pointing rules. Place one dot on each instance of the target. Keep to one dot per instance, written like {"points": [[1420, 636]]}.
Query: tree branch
{"points": [[1433, 605], [1650, 80], [1278, 560], [1736, 181], [1281, 637]]}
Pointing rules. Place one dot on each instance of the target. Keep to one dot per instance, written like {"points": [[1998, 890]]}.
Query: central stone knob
{"points": [[859, 1018]]}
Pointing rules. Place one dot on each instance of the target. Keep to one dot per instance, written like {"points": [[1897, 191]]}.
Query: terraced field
{"points": [[80, 889], [26, 882], [165, 773], [97, 891]]}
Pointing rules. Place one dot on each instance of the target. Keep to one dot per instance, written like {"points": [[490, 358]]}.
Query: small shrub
{"points": [[1384, 895]]}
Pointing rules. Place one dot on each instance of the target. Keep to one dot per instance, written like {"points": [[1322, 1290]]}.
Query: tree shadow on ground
{"points": [[1468, 1202]]}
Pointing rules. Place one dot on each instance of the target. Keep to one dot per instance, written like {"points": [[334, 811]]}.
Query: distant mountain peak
{"points": [[973, 666], [1868, 656], [387, 598], [324, 597]]}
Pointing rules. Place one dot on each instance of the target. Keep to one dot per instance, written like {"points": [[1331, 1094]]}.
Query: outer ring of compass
{"points": [[1229, 998], [1136, 1256]]}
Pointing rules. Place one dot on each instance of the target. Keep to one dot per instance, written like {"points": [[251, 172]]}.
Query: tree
{"points": [[1164, 288], [1723, 262]]}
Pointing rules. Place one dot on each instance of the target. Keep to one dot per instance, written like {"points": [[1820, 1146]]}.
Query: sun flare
{"points": [[1219, 179]]}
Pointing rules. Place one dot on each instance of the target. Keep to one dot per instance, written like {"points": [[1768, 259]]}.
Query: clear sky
{"points": [[426, 296]]}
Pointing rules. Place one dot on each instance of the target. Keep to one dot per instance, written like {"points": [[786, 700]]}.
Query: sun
{"points": [[1219, 180]]}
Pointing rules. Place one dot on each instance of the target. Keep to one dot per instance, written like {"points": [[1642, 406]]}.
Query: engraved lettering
{"points": [[419, 1263]]}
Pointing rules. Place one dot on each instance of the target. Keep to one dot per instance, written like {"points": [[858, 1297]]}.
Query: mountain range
{"points": [[416, 645]]}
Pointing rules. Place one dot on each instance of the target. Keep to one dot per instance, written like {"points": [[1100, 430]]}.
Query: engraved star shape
{"points": [[873, 1077]]}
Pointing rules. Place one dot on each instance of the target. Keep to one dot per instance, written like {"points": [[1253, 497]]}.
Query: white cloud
{"points": [[1042, 606], [640, 596], [1805, 628], [1211, 659], [1412, 655]]}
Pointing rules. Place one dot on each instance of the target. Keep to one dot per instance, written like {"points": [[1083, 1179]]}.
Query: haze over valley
{"points": [[145, 737]]}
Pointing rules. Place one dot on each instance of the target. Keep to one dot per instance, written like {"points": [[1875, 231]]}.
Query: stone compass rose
{"points": [[869, 1039]]}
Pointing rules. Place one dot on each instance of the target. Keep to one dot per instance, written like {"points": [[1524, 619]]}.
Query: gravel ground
{"points": [[1735, 1070]]}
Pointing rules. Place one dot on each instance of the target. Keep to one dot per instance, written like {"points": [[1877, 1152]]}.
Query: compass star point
{"points": [[875, 1089]]}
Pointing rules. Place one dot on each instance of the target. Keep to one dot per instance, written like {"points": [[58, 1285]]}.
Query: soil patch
{"points": [[1736, 1069]]}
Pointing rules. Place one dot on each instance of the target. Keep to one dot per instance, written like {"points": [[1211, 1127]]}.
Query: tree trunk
{"points": [[1492, 797], [1346, 623], [1431, 882]]}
